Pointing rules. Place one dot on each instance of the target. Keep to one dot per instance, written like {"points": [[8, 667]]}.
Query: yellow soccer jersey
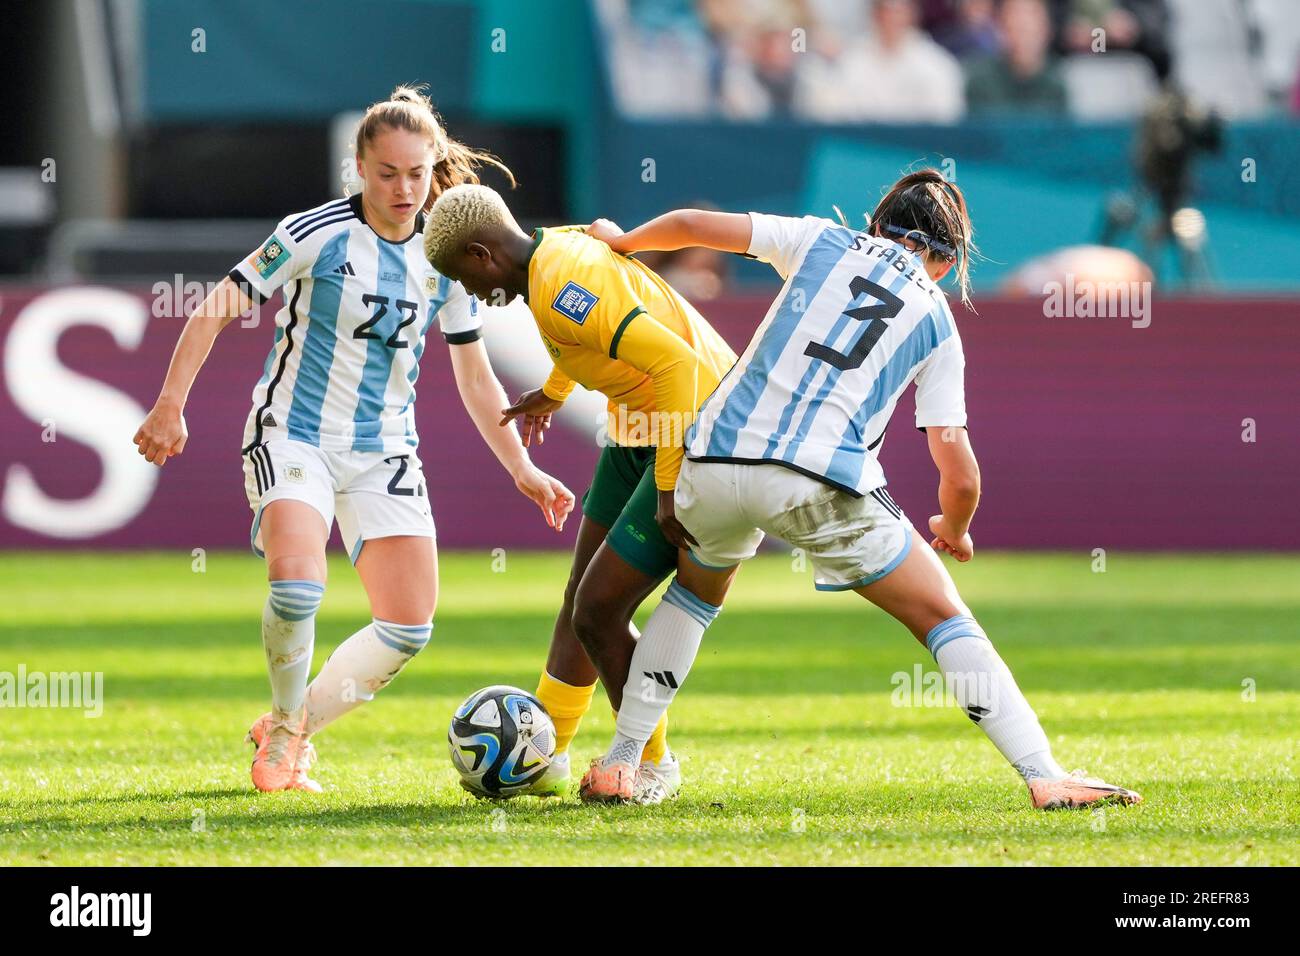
{"points": [[614, 326]]}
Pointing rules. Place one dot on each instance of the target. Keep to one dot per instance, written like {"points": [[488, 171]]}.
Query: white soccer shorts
{"points": [[850, 541], [372, 494]]}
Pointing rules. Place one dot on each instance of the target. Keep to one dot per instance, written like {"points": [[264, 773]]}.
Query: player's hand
{"points": [[672, 529], [947, 541], [549, 494], [536, 410], [162, 434], [605, 230]]}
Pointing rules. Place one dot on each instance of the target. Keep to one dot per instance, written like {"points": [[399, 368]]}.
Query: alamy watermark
{"points": [[75, 690], [973, 691], [1086, 299]]}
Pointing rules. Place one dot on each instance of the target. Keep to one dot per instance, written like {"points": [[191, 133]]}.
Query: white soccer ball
{"points": [[501, 740]]}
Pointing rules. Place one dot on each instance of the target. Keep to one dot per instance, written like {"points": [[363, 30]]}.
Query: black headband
{"points": [[928, 241]]}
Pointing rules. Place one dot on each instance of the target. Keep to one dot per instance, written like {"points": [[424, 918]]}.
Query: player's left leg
{"points": [[400, 575], [384, 518], [920, 593]]}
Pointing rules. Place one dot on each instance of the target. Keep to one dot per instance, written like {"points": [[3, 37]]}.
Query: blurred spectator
{"points": [[1138, 25], [1025, 76], [659, 57], [965, 28], [1275, 29], [896, 75], [753, 70], [1218, 60]]}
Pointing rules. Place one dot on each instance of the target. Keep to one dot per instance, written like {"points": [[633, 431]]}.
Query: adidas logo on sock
{"points": [[346, 269], [662, 678]]}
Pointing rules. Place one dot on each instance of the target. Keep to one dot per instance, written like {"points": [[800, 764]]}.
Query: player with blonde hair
{"points": [[611, 325], [331, 434]]}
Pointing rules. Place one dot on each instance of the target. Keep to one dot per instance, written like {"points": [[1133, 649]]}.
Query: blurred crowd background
{"points": [[937, 61], [1151, 139], [1148, 145]]}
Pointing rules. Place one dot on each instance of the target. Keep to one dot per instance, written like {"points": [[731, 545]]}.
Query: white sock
{"points": [[360, 667], [288, 636], [985, 689], [662, 659]]}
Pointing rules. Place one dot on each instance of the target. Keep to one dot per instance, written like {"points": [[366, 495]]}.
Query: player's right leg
{"points": [[921, 594], [568, 683], [662, 657], [291, 495]]}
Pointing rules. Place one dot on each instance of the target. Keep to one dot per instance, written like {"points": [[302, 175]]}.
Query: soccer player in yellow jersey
{"points": [[611, 325]]}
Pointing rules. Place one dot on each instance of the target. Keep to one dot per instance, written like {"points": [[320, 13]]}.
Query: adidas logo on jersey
{"points": [[662, 678], [346, 269], [268, 420]]}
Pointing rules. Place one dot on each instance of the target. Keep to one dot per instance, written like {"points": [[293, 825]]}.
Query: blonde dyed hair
{"points": [[410, 109], [459, 213]]}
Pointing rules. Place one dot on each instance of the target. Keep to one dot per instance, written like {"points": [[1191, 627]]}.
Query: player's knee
{"points": [[296, 567], [571, 591], [407, 609], [594, 614]]}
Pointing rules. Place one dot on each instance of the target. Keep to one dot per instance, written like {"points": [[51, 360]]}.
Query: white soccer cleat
{"points": [[657, 782]]}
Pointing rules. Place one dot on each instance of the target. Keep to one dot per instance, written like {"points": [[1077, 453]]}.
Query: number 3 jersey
{"points": [[348, 340], [857, 320]]}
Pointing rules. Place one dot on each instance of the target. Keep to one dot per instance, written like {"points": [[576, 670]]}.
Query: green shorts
{"points": [[623, 498]]}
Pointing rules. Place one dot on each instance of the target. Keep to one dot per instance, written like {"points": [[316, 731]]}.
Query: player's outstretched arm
{"points": [[724, 231], [484, 398], [163, 431], [959, 490]]}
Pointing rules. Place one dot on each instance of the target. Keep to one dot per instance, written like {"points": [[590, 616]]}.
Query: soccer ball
{"points": [[501, 740]]}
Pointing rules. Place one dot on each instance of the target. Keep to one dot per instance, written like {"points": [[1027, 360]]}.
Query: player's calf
{"points": [[288, 637], [362, 666]]}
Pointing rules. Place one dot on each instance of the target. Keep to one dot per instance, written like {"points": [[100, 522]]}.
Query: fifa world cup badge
{"points": [[269, 258]]}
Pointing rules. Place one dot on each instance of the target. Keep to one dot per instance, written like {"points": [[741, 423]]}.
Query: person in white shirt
{"points": [[787, 443], [895, 75]]}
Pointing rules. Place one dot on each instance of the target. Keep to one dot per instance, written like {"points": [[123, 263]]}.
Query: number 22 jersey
{"points": [[348, 339]]}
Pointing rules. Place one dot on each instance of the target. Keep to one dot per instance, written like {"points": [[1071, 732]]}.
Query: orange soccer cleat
{"points": [[284, 754], [607, 782], [1077, 791]]}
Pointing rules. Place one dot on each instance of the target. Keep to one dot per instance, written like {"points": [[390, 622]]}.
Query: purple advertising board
{"points": [[1091, 432]]}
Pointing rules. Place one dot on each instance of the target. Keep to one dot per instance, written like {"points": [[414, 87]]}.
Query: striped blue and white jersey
{"points": [[348, 340], [857, 320]]}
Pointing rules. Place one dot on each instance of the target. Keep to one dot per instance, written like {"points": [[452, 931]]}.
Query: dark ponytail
{"points": [[926, 208]]}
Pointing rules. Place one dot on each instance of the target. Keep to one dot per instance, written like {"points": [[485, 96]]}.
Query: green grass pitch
{"points": [[1177, 676]]}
